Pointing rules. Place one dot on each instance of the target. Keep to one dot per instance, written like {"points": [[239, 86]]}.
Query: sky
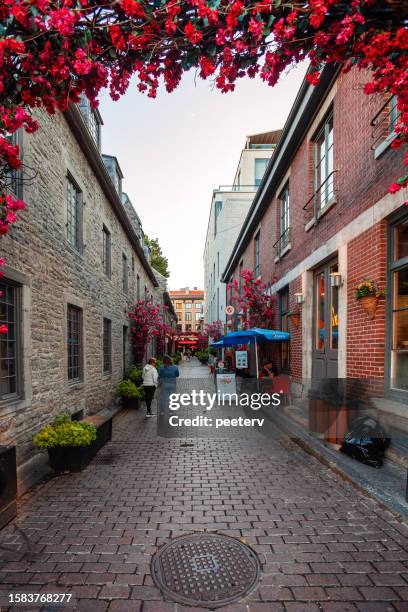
{"points": [[174, 150]]}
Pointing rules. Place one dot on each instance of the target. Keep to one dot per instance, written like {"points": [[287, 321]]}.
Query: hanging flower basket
{"points": [[369, 304], [367, 295], [294, 318]]}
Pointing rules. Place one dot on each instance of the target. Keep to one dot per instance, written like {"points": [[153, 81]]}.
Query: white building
{"points": [[229, 207]]}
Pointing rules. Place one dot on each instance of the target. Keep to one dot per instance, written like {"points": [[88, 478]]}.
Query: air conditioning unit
{"points": [[8, 484]]}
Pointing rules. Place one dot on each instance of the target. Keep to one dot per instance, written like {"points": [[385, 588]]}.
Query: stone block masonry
{"points": [[51, 274]]}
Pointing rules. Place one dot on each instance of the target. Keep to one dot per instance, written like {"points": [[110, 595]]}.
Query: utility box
{"points": [[8, 484]]}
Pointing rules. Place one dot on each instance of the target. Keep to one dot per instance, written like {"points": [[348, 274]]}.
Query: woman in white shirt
{"points": [[150, 381]]}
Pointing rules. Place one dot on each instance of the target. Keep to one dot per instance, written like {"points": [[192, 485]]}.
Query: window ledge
{"points": [[320, 214], [76, 385], [283, 252], [384, 145]]}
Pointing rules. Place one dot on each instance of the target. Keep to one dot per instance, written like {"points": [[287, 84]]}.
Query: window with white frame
{"points": [[284, 218], [323, 164]]}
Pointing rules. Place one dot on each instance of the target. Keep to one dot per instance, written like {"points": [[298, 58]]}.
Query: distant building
{"points": [[188, 305], [229, 207]]}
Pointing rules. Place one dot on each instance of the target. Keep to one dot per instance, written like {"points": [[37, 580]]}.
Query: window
{"points": [[260, 167], [187, 305], [198, 306], [241, 267], [124, 349], [91, 119], [106, 251], [137, 287], [398, 282], [14, 178], [197, 316], [284, 219], [393, 114], [10, 353], [107, 346], [323, 164], [74, 215], [74, 340], [188, 327], [187, 316], [217, 210], [125, 274], [257, 267], [284, 326]]}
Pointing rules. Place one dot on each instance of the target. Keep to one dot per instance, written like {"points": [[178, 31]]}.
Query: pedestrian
{"points": [[168, 373], [150, 382]]}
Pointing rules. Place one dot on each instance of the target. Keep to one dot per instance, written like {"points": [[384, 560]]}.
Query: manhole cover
{"points": [[205, 569]]}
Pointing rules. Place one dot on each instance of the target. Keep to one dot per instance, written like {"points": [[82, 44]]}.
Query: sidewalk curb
{"points": [[333, 460]]}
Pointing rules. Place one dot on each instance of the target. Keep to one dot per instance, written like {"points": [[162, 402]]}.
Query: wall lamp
{"points": [[336, 279], [299, 298]]}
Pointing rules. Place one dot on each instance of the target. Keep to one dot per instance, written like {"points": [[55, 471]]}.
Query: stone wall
{"points": [[52, 275]]}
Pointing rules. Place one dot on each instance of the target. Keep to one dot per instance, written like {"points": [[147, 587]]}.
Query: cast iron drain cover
{"points": [[208, 570]]}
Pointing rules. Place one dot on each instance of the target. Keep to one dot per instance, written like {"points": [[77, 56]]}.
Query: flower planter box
{"points": [[8, 484], [130, 403], [69, 458], [76, 458]]}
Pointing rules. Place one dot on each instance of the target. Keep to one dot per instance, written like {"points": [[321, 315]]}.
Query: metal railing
{"points": [[238, 188], [282, 242], [384, 122], [321, 197]]}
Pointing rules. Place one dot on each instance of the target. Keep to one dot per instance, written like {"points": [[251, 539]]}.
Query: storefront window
{"points": [[320, 310], [398, 310], [334, 312], [284, 326]]}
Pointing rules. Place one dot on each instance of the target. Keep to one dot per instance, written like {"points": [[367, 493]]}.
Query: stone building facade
{"points": [[323, 221], [75, 265]]}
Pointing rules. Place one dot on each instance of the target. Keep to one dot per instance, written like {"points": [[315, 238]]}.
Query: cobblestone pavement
{"points": [[323, 545]]}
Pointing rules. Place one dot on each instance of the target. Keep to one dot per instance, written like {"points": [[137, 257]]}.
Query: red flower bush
{"points": [[146, 323], [214, 330], [252, 299]]}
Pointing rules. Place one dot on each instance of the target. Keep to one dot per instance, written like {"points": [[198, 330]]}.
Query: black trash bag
{"points": [[366, 441]]}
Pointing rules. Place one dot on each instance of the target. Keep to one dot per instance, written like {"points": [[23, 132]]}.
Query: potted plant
{"points": [[68, 443], [130, 394], [367, 295], [135, 374]]}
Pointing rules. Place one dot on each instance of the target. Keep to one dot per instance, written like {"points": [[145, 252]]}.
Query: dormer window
{"points": [[92, 119], [115, 173]]}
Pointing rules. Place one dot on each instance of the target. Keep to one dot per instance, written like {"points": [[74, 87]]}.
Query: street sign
{"points": [[229, 310]]}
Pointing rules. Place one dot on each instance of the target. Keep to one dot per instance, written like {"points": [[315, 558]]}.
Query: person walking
{"points": [[150, 382], [168, 373]]}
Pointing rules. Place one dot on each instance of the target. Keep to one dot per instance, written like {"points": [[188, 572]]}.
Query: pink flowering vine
{"points": [[252, 299]]}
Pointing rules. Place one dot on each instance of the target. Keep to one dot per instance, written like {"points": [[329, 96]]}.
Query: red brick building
{"points": [[321, 222]]}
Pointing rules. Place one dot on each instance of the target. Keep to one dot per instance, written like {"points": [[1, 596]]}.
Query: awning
{"points": [[246, 336]]}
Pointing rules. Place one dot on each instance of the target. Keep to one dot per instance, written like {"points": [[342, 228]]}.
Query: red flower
{"points": [[195, 36]]}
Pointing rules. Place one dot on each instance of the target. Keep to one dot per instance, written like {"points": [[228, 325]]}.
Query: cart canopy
{"points": [[246, 336]]}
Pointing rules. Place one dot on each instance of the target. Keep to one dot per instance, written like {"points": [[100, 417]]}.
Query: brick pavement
{"points": [[323, 545]]}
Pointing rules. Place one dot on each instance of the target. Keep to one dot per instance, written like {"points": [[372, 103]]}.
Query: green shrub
{"points": [[128, 390], [177, 357], [135, 374], [63, 431], [202, 356]]}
